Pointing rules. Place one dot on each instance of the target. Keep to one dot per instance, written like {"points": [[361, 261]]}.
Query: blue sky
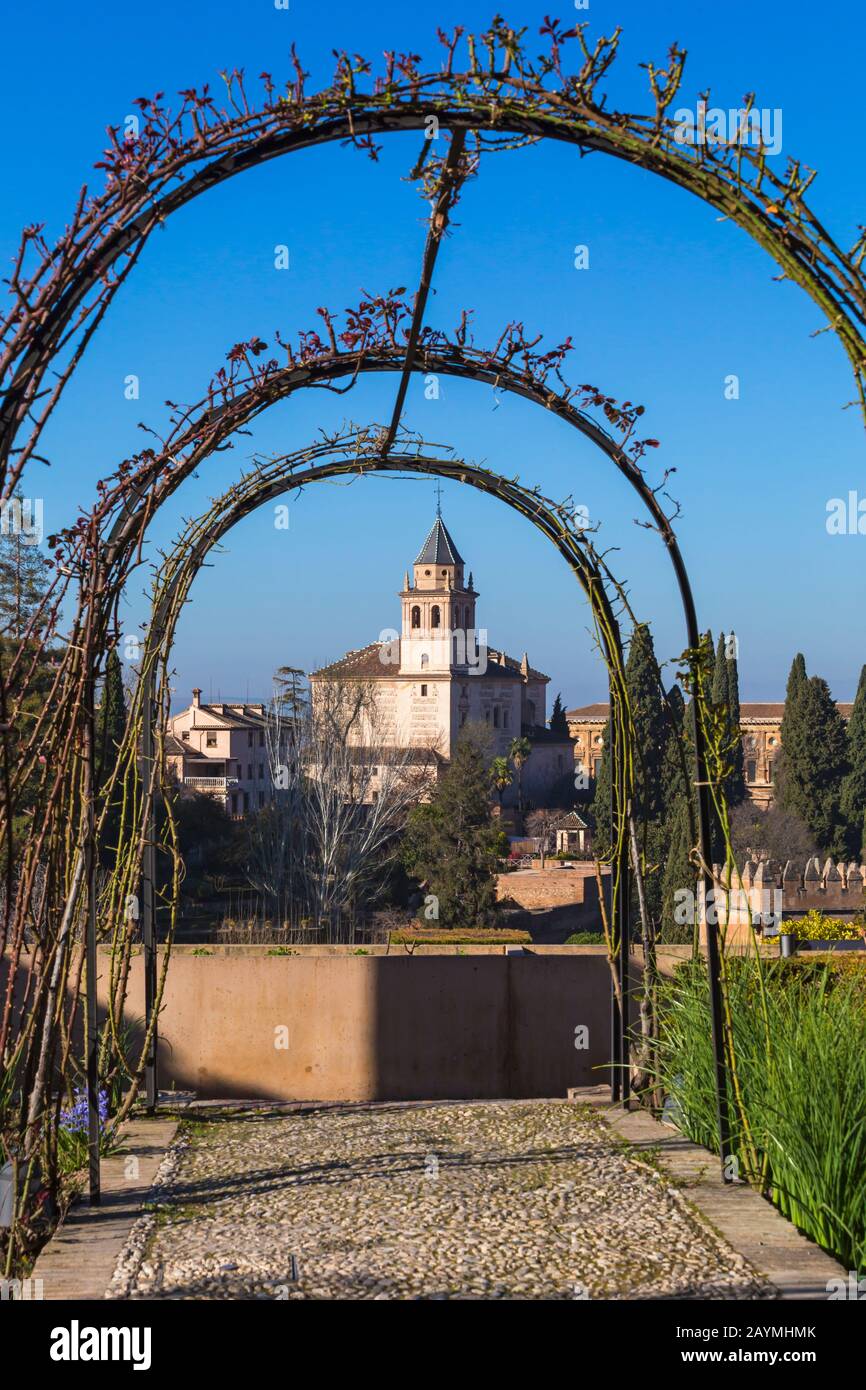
{"points": [[672, 303]]}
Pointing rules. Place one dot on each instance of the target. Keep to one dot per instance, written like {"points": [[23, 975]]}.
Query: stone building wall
{"points": [[760, 726]]}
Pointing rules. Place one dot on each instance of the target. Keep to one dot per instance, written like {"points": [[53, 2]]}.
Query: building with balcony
{"points": [[220, 750]]}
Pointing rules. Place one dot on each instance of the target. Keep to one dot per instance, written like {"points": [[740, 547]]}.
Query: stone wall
{"points": [[770, 889]]}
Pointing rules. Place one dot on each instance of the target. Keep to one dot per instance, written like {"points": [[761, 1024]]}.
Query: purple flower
{"points": [[74, 1120]]}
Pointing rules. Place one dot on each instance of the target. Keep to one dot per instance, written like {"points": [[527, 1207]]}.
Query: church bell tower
{"points": [[438, 608]]}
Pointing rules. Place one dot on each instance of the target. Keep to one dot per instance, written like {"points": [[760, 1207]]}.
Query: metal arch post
{"points": [[90, 956], [616, 1031], [148, 912]]}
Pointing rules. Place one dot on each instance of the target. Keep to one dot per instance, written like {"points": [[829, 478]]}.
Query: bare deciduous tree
{"points": [[342, 789]]}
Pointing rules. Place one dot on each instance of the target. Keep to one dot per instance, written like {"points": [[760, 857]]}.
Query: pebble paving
{"points": [[482, 1200]]}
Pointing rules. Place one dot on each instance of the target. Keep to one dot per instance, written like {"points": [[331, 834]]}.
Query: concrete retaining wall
{"points": [[332, 1025]]}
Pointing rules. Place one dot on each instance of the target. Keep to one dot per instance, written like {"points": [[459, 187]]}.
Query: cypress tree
{"points": [[720, 674], [853, 802], [736, 785], [679, 874], [794, 732], [111, 715], [817, 765], [643, 687], [601, 797], [110, 729], [651, 731], [558, 721], [676, 779], [726, 696], [643, 682]]}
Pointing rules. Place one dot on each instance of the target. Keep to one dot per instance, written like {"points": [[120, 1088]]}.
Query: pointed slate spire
{"points": [[439, 547]]}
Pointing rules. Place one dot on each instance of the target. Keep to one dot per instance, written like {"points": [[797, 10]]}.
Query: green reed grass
{"points": [[804, 1087]]}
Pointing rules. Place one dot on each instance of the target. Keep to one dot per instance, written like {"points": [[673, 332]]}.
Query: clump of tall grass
{"points": [[800, 1047]]}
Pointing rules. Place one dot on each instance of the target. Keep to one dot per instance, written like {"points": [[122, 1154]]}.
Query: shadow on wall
{"points": [[335, 1025]]}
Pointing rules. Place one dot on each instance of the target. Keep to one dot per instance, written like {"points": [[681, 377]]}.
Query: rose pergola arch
{"points": [[355, 454], [501, 97], [105, 553], [499, 100], [556, 521]]}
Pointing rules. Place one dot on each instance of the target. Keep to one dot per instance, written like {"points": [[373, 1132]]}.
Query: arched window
{"points": [[416, 616], [434, 616], [425, 660]]}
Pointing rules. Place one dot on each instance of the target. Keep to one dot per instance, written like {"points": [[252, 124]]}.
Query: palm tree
{"points": [[501, 776], [518, 751]]}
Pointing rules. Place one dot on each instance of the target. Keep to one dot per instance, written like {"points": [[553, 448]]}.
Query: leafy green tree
{"points": [[451, 843], [558, 721], [853, 801]]}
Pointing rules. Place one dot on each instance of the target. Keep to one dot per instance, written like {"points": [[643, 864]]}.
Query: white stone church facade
{"points": [[439, 672]]}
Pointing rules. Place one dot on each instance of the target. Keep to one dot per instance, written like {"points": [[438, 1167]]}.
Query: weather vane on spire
{"points": [[439, 499]]}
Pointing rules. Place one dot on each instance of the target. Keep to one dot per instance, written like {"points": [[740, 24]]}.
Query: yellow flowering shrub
{"points": [[816, 927]]}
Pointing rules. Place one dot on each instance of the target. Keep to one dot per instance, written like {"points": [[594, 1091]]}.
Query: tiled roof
{"points": [[513, 665], [775, 710], [366, 663], [230, 717], [597, 711]]}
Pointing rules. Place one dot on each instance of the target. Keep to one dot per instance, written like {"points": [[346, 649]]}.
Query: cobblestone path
{"points": [[535, 1200]]}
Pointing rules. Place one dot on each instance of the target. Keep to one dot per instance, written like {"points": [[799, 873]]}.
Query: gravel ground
{"points": [[441, 1201]]}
